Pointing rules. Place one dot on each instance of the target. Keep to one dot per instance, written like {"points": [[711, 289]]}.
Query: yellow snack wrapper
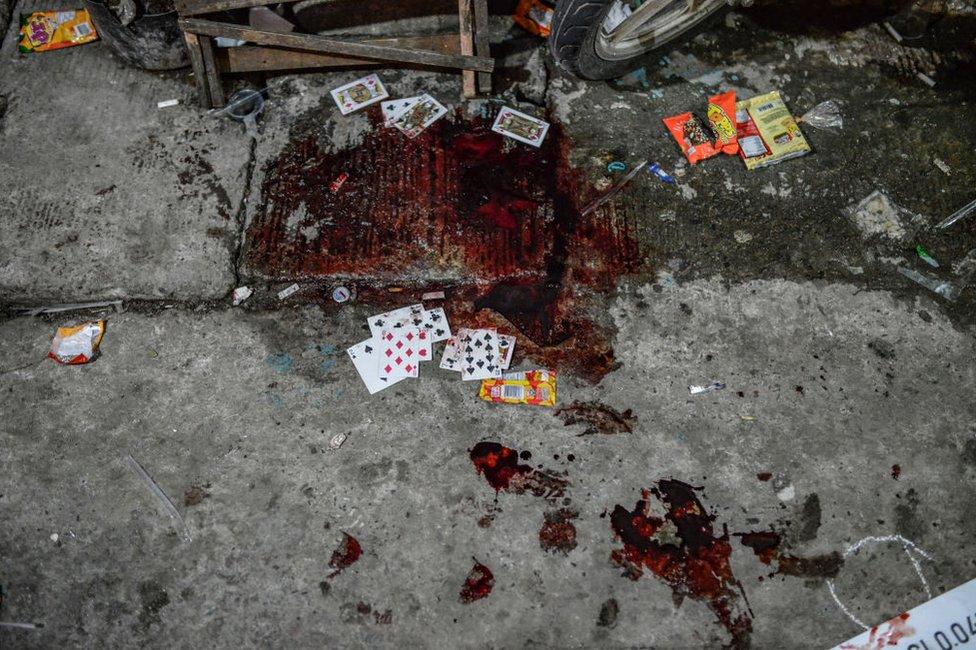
{"points": [[768, 133], [52, 30], [534, 387], [76, 345]]}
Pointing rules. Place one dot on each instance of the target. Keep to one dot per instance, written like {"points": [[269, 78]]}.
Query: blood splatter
{"points": [[766, 546], [598, 418], [886, 635], [501, 468], [345, 555], [896, 471], [460, 205], [478, 584], [764, 476], [558, 534], [682, 550]]}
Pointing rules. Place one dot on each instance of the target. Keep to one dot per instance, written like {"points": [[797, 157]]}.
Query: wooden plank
{"points": [[247, 58], [481, 42], [341, 47], [468, 86], [199, 74], [197, 7], [213, 74]]}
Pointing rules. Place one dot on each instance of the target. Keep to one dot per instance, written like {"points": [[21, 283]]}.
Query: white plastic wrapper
{"points": [[75, 345], [825, 115]]}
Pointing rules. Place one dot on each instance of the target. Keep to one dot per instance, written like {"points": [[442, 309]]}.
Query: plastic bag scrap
{"points": [[534, 16], [944, 288], [768, 133], [825, 115], [534, 387], [77, 345], [52, 30]]}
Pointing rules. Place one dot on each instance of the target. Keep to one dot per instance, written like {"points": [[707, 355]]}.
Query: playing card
{"points": [[419, 116], [521, 127], [401, 351], [392, 319], [364, 356], [506, 348], [451, 360], [393, 108], [359, 93], [434, 322], [479, 355]]}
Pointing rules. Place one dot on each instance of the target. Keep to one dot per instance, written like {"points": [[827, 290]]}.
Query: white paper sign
{"points": [[943, 623]]}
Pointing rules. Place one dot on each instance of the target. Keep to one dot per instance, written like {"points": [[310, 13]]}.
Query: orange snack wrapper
{"points": [[52, 30], [693, 136], [534, 387], [534, 16]]}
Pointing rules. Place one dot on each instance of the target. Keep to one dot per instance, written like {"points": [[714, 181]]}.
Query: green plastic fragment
{"points": [[926, 257]]}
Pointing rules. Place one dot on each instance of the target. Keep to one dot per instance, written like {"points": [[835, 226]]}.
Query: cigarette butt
{"points": [[166, 103]]}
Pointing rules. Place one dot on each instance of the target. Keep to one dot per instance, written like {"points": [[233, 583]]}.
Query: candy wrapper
{"points": [[534, 16], [693, 136], [51, 30], [534, 387], [76, 345], [721, 117], [768, 134]]}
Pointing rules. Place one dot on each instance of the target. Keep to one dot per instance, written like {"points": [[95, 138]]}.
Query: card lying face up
{"points": [[519, 126], [359, 94]]}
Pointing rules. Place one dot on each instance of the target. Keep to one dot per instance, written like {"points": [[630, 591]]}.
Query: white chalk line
{"points": [[910, 550]]}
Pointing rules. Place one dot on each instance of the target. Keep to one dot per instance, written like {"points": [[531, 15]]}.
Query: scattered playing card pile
{"points": [[478, 353], [412, 115], [401, 340]]}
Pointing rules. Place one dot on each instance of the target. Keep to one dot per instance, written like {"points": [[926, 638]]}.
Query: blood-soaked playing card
{"points": [[479, 356]]}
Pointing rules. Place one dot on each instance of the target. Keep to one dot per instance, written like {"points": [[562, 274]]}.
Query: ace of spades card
{"points": [[479, 355], [364, 357], [401, 351]]}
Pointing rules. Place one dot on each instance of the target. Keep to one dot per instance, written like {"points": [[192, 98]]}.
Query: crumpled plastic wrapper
{"points": [[77, 345], [825, 115]]}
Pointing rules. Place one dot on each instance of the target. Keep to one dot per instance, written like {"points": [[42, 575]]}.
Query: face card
{"points": [[418, 117], [521, 127], [401, 351], [506, 348], [364, 356], [479, 355], [451, 360], [393, 108], [397, 319], [434, 322], [359, 93]]}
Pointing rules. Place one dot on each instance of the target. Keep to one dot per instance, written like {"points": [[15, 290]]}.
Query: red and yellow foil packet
{"points": [[534, 16], [52, 30], [721, 117], [534, 387]]}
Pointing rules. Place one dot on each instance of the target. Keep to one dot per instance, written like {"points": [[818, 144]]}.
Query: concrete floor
{"points": [[837, 371]]}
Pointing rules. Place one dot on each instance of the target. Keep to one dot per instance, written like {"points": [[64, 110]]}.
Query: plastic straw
{"points": [[964, 211], [168, 506]]}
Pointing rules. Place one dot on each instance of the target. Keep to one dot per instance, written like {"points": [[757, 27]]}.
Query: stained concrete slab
{"points": [[106, 195], [848, 386], [243, 405]]}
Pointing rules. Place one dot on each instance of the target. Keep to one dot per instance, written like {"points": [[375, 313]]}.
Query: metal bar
{"points": [[332, 46]]}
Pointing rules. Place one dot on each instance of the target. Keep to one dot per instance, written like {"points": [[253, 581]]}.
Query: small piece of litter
{"points": [[944, 288], [617, 166], [288, 291], [55, 537], [962, 212], [715, 385], [337, 441], [748, 418], [20, 626], [655, 170], [742, 237], [341, 294], [787, 493], [223, 41], [925, 256], [166, 103], [433, 295], [927, 80], [241, 294], [938, 162], [76, 345], [894, 32], [161, 497]]}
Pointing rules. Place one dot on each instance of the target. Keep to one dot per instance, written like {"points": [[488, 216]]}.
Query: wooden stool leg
{"points": [[481, 42], [199, 74], [467, 47], [213, 74]]}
